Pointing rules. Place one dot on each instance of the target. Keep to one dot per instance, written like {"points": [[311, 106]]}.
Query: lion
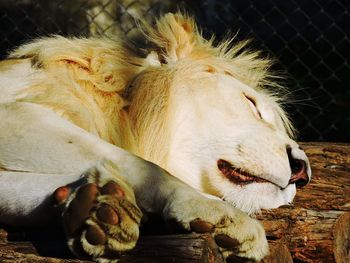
{"points": [[193, 131]]}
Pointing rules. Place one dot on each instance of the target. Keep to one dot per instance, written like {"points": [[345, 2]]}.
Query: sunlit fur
{"points": [[133, 102]]}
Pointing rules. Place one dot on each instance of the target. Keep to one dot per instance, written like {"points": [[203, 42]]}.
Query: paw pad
{"points": [[61, 194], [200, 226], [225, 241], [112, 188], [106, 214], [95, 235], [87, 192], [222, 240], [79, 209]]}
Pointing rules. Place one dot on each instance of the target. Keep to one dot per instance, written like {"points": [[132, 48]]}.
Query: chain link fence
{"points": [[309, 39]]}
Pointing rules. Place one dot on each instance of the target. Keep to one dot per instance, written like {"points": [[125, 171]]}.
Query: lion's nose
{"points": [[299, 170]]}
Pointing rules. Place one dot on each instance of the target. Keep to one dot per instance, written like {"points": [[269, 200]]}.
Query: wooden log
{"points": [[191, 248], [316, 228], [279, 253], [10, 256], [187, 248], [341, 236]]}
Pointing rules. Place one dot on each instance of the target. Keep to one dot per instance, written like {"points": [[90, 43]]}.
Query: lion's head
{"points": [[205, 114]]}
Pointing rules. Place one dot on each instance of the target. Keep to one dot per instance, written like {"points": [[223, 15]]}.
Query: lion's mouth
{"points": [[236, 175]]}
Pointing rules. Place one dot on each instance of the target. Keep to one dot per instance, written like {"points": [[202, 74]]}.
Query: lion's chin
{"points": [[253, 197]]}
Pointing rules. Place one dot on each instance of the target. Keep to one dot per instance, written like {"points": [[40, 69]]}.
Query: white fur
{"points": [[66, 114], [10, 88], [205, 131]]}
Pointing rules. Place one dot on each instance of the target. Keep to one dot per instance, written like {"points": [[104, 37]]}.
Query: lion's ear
{"points": [[174, 36]]}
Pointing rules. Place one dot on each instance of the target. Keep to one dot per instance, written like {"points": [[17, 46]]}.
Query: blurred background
{"points": [[310, 40]]}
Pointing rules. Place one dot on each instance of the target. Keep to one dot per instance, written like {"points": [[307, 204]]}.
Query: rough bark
{"points": [[191, 248], [316, 228]]}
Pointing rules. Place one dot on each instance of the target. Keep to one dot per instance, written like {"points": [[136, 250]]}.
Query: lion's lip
{"points": [[237, 175]]}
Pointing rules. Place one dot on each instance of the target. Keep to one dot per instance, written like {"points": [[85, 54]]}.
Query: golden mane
{"points": [[98, 74], [88, 72]]}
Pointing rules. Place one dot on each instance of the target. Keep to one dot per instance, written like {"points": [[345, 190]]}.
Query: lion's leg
{"points": [[35, 140], [25, 198], [100, 215], [44, 157]]}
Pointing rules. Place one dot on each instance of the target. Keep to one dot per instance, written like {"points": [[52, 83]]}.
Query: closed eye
{"points": [[253, 106]]}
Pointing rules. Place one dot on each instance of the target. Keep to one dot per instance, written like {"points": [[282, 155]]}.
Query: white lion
{"points": [[76, 113]]}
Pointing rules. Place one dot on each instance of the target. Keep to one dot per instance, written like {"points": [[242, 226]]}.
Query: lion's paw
{"points": [[236, 234], [100, 217]]}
